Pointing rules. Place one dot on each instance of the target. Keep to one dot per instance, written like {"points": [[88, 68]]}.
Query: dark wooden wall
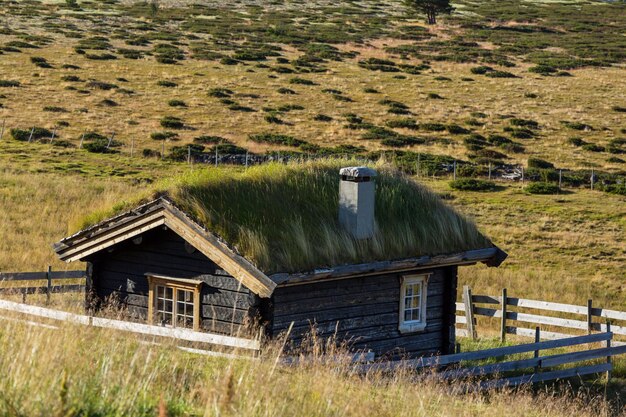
{"points": [[365, 312], [227, 306]]}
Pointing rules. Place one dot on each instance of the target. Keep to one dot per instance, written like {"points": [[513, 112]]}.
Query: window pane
{"points": [[408, 291], [415, 302], [407, 315], [169, 293], [415, 315]]}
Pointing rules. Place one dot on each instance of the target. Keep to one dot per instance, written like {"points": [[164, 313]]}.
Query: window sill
{"points": [[412, 328]]}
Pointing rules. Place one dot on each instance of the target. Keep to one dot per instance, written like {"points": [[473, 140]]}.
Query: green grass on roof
{"points": [[284, 217]]}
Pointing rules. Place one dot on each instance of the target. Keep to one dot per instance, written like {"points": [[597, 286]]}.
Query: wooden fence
{"points": [[49, 287], [530, 370], [181, 334], [514, 314]]}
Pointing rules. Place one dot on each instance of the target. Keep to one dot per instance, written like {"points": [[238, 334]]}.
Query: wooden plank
{"points": [[609, 314], [462, 332], [503, 351], [485, 299], [545, 305], [22, 276], [460, 306], [601, 327], [550, 321], [585, 355], [43, 312], [545, 376], [124, 231], [43, 289], [469, 311], [488, 312], [68, 274], [177, 333], [521, 331], [503, 304], [460, 320]]}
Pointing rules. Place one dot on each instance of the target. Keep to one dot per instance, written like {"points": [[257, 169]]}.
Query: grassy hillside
{"points": [[499, 83]]}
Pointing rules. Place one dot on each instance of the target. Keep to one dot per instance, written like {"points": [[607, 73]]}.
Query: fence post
{"points": [[589, 316], [503, 320], [608, 345], [49, 284], [32, 132], [111, 140], [82, 139], [2, 130], [469, 311], [537, 340]]}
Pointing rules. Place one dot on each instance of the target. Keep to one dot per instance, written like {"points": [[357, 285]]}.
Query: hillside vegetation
{"points": [[101, 99]]}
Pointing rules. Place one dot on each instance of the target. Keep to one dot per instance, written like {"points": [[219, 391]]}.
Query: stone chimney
{"points": [[357, 201]]}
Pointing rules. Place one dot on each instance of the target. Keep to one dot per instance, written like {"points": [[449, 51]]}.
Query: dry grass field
{"points": [[497, 83]]}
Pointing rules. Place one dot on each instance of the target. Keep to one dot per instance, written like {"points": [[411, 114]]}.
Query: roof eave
{"points": [[492, 257]]}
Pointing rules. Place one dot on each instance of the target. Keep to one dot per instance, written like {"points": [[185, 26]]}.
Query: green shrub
{"points": [[542, 188], [276, 139], [543, 70], [576, 141], [285, 90], [40, 62], [331, 91], [432, 127], [371, 90], [619, 109], [171, 122], [322, 118], [592, 147], [615, 160], [228, 149], [163, 135], [108, 103], [481, 70], [176, 103], [101, 57], [472, 184], [289, 107], [619, 189], [539, 163], [210, 140], [220, 92], [55, 109], [271, 118], [457, 130], [101, 85], [339, 97], [576, 125], [71, 78], [301, 81], [180, 153], [530, 124], [239, 107], [617, 146], [149, 153], [165, 83], [500, 74], [434, 96], [9, 83], [405, 123], [24, 134]]}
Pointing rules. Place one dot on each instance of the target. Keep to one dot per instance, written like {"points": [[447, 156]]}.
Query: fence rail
{"points": [[47, 288], [577, 318], [448, 367], [138, 328]]}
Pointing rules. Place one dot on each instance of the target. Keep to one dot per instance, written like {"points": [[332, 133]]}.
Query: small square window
{"points": [[413, 303]]}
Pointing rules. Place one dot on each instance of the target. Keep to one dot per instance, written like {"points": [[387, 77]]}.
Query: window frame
{"points": [[413, 326], [176, 284]]}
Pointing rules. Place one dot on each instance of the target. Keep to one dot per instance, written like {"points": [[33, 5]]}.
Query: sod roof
{"points": [[284, 217]]}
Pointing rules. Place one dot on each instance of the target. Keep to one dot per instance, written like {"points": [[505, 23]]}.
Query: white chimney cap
{"points": [[357, 172]]}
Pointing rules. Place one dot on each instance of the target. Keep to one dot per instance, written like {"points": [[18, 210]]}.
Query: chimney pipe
{"points": [[357, 201]]}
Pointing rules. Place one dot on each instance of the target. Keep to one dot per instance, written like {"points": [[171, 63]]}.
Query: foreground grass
{"points": [[73, 371]]}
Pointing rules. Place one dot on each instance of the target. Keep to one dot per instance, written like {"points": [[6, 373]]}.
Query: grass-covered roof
{"points": [[284, 218]]}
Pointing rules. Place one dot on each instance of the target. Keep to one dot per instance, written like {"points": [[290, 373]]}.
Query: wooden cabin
{"points": [[368, 257]]}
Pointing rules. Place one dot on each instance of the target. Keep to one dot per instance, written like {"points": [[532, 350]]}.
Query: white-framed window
{"points": [[413, 304], [174, 302]]}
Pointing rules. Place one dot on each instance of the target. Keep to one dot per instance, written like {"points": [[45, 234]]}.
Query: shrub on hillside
{"points": [[24, 134], [9, 83], [472, 184], [539, 163], [542, 188], [171, 122], [276, 139]]}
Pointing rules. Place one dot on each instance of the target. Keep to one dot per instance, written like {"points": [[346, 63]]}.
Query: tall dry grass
{"points": [[79, 371]]}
